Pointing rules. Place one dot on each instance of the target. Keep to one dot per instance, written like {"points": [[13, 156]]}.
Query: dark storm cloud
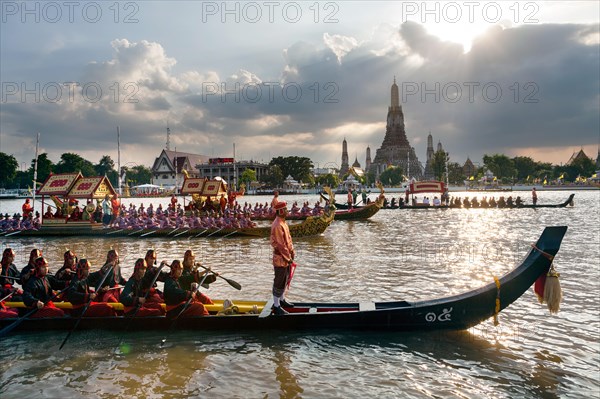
{"points": [[547, 75]]}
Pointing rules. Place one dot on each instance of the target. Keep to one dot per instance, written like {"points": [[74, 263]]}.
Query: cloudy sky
{"points": [[293, 78]]}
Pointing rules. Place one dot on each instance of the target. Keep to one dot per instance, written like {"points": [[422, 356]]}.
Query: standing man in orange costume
{"points": [[283, 257]]}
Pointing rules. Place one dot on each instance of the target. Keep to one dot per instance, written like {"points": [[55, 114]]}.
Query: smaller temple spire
{"points": [[395, 95]]}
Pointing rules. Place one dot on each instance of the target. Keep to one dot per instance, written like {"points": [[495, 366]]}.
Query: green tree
{"points": [[70, 163], [44, 167], [524, 166], [137, 175], [392, 176], [8, 169], [439, 164], [583, 167], [500, 165], [329, 179], [300, 168], [105, 166], [274, 176], [247, 177], [544, 170], [456, 174]]}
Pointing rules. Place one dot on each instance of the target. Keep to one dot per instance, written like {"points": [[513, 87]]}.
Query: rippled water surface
{"points": [[396, 255]]}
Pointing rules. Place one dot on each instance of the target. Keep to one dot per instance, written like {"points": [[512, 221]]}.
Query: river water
{"points": [[396, 255]]}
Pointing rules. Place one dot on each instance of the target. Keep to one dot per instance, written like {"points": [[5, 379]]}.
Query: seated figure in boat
{"points": [[305, 211], [29, 269], [317, 209], [176, 296], [135, 295], [509, 201], [80, 293], [48, 214], [484, 203], [492, 202], [295, 209], [7, 285], [501, 202], [122, 222], [76, 213], [109, 291], [518, 201], [38, 292], [149, 276], [66, 272], [474, 203], [436, 201], [466, 202], [190, 275]]}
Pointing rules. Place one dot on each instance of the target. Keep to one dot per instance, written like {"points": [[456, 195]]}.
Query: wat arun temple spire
{"points": [[395, 149]]}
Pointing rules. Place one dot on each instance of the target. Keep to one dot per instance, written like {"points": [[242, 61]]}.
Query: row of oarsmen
{"points": [[74, 283]]}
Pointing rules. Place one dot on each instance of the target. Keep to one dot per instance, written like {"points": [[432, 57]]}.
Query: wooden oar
{"points": [[13, 233], [114, 231], [183, 232], [87, 305], [17, 322], [227, 235], [202, 232], [187, 304], [172, 231], [216, 231], [148, 233], [232, 283], [266, 310], [139, 306], [136, 231], [8, 296]]}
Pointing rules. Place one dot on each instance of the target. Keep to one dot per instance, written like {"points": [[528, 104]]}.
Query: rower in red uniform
{"points": [[109, 291], [176, 297], [80, 293], [8, 270], [29, 269], [7, 289], [134, 294], [38, 291]]}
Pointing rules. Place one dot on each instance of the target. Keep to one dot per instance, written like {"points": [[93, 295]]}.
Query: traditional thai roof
{"points": [[59, 184], [577, 155], [173, 160]]}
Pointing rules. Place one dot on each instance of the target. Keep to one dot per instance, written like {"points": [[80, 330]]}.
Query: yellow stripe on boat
{"points": [[243, 306]]}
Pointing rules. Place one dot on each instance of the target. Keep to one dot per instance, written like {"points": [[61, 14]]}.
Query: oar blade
{"points": [[234, 284]]}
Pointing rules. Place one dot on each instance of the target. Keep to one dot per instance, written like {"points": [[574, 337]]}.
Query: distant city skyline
{"points": [[287, 78]]}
